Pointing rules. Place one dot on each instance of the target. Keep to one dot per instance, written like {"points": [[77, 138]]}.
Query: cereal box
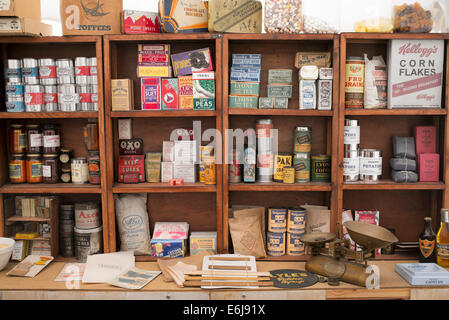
{"points": [[151, 93]]}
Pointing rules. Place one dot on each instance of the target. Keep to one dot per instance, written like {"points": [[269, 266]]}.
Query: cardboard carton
{"points": [[21, 8], [24, 27]]}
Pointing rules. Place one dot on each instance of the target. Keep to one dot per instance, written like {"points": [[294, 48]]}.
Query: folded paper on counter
{"points": [[103, 268]]}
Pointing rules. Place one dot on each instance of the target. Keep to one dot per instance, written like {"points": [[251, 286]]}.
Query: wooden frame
{"points": [[113, 46]]}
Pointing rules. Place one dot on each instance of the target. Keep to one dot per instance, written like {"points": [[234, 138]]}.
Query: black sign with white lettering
{"points": [[290, 279]]}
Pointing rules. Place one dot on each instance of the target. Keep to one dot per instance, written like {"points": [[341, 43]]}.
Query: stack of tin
{"points": [[245, 80], [265, 152], [66, 230], [351, 162], [49, 85], [88, 232], [301, 149]]}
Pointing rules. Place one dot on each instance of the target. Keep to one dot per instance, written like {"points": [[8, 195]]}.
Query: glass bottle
{"points": [[443, 240], [427, 243]]}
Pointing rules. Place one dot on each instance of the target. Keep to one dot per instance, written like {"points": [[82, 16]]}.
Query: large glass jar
{"points": [[91, 135], [17, 139], [80, 171], [50, 168], [283, 16], [94, 167], [34, 168], [34, 137], [52, 139], [17, 168]]}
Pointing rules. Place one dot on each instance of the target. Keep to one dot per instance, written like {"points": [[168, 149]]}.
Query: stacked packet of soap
{"points": [[403, 164], [245, 81], [279, 89]]}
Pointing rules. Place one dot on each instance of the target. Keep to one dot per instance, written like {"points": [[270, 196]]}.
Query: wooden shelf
{"points": [[42, 188], [34, 239], [277, 186], [26, 219], [48, 115], [391, 185], [280, 112], [162, 188], [163, 114], [285, 258], [395, 112]]}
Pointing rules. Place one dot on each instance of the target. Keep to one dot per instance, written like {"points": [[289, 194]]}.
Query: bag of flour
{"points": [[375, 83], [133, 225]]}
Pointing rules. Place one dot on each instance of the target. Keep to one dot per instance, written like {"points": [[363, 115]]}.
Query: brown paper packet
{"points": [[196, 260], [244, 211], [318, 218], [247, 238]]}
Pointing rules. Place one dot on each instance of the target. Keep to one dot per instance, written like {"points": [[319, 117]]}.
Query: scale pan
{"points": [[317, 237], [370, 236]]}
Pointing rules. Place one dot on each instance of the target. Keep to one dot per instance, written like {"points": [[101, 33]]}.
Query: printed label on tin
{"points": [[85, 97], [296, 221], [352, 135], [69, 98], [351, 166], [47, 72], [14, 89], [30, 72], [87, 218], [15, 171], [35, 140], [64, 71], [52, 142], [15, 106], [82, 71], [13, 73], [277, 220], [34, 98], [51, 98], [371, 166], [46, 171], [94, 97]]}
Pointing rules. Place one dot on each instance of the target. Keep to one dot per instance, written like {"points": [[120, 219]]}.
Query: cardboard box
{"points": [[168, 151], [21, 8], [246, 102], [139, 22], [154, 59], [307, 94], [169, 94], [131, 169], [279, 91], [185, 152], [166, 171], [173, 248], [186, 63], [415, 73], [125, 129], [185, 92], [324, 94], [187, 16], [425, 139], [203, 241], [153, 71], [153, 167], [185, 171], [245, 74], [203, 90], [235, 16], [153, 48], [122, 94], [24, 27], [151, 93], [247, 60], [245, 88], [429, 167], [90, 17], [280, 76]]}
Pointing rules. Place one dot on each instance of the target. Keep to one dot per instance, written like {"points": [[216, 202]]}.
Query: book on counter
{"points": [[423, 274]]}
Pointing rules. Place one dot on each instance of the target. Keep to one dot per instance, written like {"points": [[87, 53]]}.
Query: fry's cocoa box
{"points": [[415, 73], [425, 139], [429, 167]]}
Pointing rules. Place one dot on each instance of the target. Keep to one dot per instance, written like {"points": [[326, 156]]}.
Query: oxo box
{"points": [[425, 139], [139, 22], [131, 169], [429, 167], [151, 93]]}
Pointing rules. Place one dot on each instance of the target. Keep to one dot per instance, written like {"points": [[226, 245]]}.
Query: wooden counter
{"points": [[42, 287]]}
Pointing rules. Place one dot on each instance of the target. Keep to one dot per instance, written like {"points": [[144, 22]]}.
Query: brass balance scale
{"points": [[329, 255]]}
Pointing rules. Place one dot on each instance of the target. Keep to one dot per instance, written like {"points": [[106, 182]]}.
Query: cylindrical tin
{"points": [[80, 171], [82, 70], [351, 166], [370, 164], [47, 71], [87, 242], [66, 226], [13, 71], [94, 98], [296, 221], [51, 98], [294, 246], [15, 104], [15, 89], [265, 155], [352, 132], [93, 66], [351, 147], [66, 244], [301, 162], [235, 171], [281, 160], [289, 175], [85, 96], [87, 215], [92, 80], [30, 71], [321, 168], [303, 140], [68, 99], [277, 220], [355, 82], [34, 98], [67, 212], [275, 244], [65, 71], [210, 175]]}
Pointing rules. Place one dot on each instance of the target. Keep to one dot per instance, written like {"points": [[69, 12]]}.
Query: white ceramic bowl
{"points": [[5, 253]]}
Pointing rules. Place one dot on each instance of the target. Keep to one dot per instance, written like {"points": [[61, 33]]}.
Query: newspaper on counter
{"points": [[102, 268]]}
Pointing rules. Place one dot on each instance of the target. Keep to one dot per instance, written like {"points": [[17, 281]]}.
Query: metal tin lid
{"points": [[33, 155], [351, 147], [17, 155], [67, 207], [351, 154], [302, 155], [50, 155], [325, 156], [79, 160], [264, 121], [87, 231], [355, 58], [351, 123], [16, 126], [33, 126], [297, 209], [370, 153], [303, 129], [46, 62]]}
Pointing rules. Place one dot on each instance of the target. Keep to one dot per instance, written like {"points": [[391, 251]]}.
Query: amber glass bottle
{"points": [[443, 240], [427, 243]]}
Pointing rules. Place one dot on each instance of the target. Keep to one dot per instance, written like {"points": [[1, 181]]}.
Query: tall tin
{"points": [[82, 70], [235, 171], [352, 133], [351, 166], [303, 140], [85, 96], [30, 71], [264, 128], [321, 168], [34, 98], [47, 72], [65, 71], [51, 98], [68, 98], [301, 163], [281, 160], [354, 82], [13, 71], [370, 165]]}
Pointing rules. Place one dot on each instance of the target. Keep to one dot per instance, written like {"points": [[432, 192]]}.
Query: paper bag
{"points": [[247, 237], [318, 218]]}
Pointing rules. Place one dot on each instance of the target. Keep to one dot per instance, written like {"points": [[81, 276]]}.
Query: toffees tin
{"points": [[281, 160], [294, 246], [296, 221], [303, 140], [275, 244], [277, 220], [321, 168], [301, 163]]}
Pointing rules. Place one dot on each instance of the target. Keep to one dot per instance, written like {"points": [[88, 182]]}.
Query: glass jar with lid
{"points": [[34, 168], [66, 156], [34, 137], [51, 138], [66, 174], [94, 167], [91, 135], [17, 138], [80, 171], [17, 168], [50, 168]]}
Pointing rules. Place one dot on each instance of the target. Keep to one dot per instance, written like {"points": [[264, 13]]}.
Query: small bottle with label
{"points": [[427, 243], [443, 240]]}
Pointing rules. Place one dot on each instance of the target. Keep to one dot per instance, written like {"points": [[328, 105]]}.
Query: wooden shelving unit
{"points": [[198, 204], [71, 124], [402, 206], [324, 125]]}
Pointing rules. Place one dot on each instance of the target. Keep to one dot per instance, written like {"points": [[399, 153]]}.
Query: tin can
{"points": [[13, 71], [87, 242], [275, 244], [303, 140], [289, 175], [65, 72], [15, 89], [92, 62], [92, 80], [301, 163], [249, 165], [67, 244], [68, 99], [82, 70], [80, 171], [265, 157], [277, 220], [87, 215], [210, 175], [296, 221], [281, 160], [351, 166], [30, 71], [66, 212], [294, 245], [235, 171], [66, 226], [47, 72], [15, 104], [370, 165], [94, 97], [321, 168], [355, 82], [51, 98], [352, 132], [85, 96], [34, 98]]}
